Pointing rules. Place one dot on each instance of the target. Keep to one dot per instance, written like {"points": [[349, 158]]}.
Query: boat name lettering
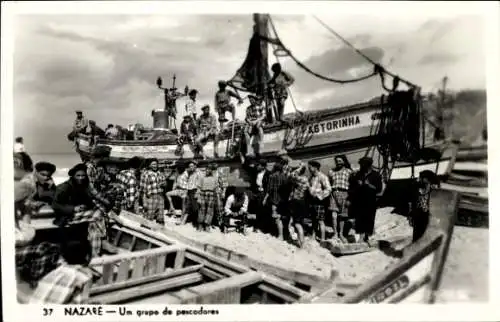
{"points": [[401, 283], [334, 124]]}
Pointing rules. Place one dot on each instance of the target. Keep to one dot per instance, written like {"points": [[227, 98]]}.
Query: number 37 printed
{"points": [[47, 312]]}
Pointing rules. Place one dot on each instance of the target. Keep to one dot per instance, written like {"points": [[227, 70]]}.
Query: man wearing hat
{"points": [[364, 186], [223, 102], [207, 129], [191, 105], [187, 135], [209, 197], [254, 124]]}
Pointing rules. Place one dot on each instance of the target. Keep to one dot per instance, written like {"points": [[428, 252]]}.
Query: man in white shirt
{"points": [[191, 104], [19, 145]]}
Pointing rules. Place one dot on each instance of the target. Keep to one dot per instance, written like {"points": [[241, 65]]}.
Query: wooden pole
{"points": [[261, 28]]}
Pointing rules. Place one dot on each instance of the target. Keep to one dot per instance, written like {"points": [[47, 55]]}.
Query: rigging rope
{"points": [[282, 47], [410, 84]]}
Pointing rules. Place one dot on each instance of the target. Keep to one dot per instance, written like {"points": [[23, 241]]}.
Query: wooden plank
{"points": [[271, 290], [123, 270], [283, 286], [144, 280], [160, 263], [179, 259], [211, 264], [107, 273], [138, 268], [150, 265], [148, 252], [211, 273], [145, 237], [129, 294], [117, 237], [132, 243], [241, 280], [231, 295]]}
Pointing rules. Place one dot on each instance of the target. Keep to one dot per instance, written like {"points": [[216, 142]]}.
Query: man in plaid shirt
{"points": [[319, 190], [151, 186], [128, 179], [253, 128], [297, 204], [339, 179], [70, 282]]}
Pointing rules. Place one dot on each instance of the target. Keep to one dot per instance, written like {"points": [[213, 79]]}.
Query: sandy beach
{"points": [[465, 277]]}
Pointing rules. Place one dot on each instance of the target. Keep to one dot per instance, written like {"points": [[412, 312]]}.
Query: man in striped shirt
{"points": [[319, 190]]}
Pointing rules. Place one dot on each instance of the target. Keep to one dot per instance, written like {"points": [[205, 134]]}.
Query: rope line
{"points": [[345, 41], [284, 49]]}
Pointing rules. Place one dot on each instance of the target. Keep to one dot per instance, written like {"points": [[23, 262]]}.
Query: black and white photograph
{"points": [[183, 157]]}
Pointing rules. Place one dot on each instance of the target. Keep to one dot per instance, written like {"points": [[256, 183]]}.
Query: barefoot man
{"points": [[339, 178], [207, 128], [253, 128], [223, 102]]}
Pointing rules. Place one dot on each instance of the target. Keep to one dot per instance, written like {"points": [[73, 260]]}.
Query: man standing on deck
{"points": [[254, 125], [364, 186], [187, 135], [223, 102], [191, 105], [339, 177], [207, 128], [80, 123], [319, 190], [279, 83]]}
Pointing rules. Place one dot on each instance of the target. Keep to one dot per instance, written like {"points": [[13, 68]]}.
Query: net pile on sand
{"points": [[312, 259]]}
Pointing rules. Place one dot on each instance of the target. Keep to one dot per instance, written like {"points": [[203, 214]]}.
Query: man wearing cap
{"points": [[187, 135], [45, 188], [319, 190], [207, 129], [209, 197], [129, 180], [191, 105], [339, 178], [254, 125], [259, 175], [151, 186], [223, 102], [364, 186]]}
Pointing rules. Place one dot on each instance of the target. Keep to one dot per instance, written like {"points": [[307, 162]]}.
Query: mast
{"points": [[261, 28]]}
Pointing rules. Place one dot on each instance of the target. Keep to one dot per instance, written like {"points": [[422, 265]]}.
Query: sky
{"points": [[106, 65]]}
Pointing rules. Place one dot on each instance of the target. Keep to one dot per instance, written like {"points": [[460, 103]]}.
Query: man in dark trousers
{"points": [[420, 203], [259, 176], [364, 186]]}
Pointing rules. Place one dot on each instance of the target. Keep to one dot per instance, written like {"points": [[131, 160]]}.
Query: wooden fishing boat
{"points": [[356, 130], [152, 267]]}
